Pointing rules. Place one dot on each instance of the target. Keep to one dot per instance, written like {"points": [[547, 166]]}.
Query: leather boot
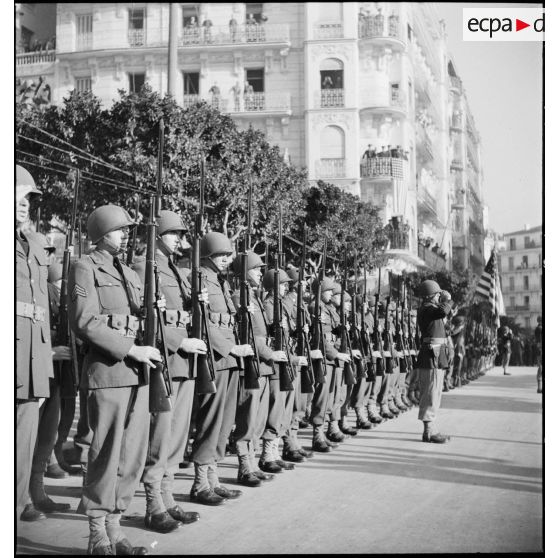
{"points": [[265, 477], [245, 476], [333, 432], [277, 458], [99, 543], [40, 499], [362, 420], [318, 440], [290, 450], [385, 412], [345, 428], [201, 491], [398, 402], [156, 516], [393, 408], [373, 414], [406, 401], [267, 460]]}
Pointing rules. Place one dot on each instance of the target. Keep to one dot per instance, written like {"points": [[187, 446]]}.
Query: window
{"points": [[510, 263], [255, 78], [136, 82], [512, 284], [512, 243], [331, 74], [191, 83], [83, 84], [512, 301], [526, 301], [395, 93], [189, 12], [84, 31], [525, 282], [332, 143], [256, 10], [136, 18], [525, 261], [527, 242], [527, 320]]}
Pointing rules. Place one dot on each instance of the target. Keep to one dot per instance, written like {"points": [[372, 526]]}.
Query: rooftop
{"points": [[525, 230]]}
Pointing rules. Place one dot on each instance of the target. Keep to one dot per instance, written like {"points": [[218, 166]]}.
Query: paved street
{"points": [[383, 491]]}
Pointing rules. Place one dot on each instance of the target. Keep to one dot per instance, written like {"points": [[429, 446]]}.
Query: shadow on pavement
{"points": [[27, 546], [491, 403]]}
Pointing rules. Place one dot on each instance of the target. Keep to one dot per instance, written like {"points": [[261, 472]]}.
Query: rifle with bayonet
{"points": [[203, 364], [160, 385], [318, 339], [251, 363], [411, 337], [65, 336], [386, 334], [356, 332], [400, 345], [132, 245], [345, 346], [377, 346], [366, 339], [286, 372]]}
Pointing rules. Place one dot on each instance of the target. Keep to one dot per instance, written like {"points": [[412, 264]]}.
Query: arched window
{"points": [[332, 153]]}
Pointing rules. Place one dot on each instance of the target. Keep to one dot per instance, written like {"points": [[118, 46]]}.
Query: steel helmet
{"points": [[253, 261], [169, 221], [268, 280], [292, 272], [215, 243], [105, 219], [327, 284], [54, 272], [428, 288], [25, 184], [336, 288]]}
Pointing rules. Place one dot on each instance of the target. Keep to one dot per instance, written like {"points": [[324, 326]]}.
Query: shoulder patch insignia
{"points": [[78, 291]]}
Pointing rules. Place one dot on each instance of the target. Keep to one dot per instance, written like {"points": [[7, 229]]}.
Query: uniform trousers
{"points": [[27, 421], [168, 434], [117, 452], [49, 417], [269, 420], [215, 418], [84, 434], [431, 383], [322, 401], [251, 403], [356, 395], [290, 402], [299, 405], [393, 383]]}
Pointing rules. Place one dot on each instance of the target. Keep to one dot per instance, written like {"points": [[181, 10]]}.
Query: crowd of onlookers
{"points": [[36, 45], [389, 151], [524, 351]]}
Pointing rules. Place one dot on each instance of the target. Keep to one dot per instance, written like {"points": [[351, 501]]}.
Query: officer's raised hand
{"points": [[145, 354], [445, 296]]}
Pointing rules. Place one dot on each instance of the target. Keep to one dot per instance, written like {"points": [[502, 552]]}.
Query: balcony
{"points": [[136, 37], [190, 100], [38, 57], [456, 164], [432, 259], [424, 143], [330, 98], [456, 122], [532, 244], [455, 84], [382, 167], [519, 308], [330, 168], [397, 232], [239, 35], [387, 30], [395, 105], [332, 30], [274, 102], [427, 201]]}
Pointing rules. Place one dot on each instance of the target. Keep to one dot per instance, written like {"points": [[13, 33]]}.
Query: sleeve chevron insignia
{"points": [[78, 291]]}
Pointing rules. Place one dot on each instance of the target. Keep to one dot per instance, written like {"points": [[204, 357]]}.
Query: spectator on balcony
{"points": [[361, 23], [384, 152], [207, 24], [393, 23], [248, 96], [370, 153], [191, 33], [215, 95], [251, 28], [406, 155], [233, 29], [379, 23], [237, 92], [327, 83]]}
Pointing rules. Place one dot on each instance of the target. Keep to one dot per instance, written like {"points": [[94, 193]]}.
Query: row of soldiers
{"points": [[404, 363]]}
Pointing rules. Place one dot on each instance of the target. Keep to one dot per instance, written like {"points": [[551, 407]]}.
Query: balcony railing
{"points": [[332, 30], [250, 103], [427, 199], [457, 164], [382, 167], [35, 57], [330, 168], [431, 259], [136, 37], [377, 26], [518, 308], [397, 99], [190, 100], [239, 34], [330, 98]]}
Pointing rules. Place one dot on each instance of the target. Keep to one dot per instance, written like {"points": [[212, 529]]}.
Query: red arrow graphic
{"points": [[519, 25]]}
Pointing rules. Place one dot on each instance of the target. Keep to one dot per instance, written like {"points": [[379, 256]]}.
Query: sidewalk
{"points": [[383, 491]]}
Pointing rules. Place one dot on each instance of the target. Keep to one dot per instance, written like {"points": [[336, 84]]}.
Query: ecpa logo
{"points": [[503, 24]]}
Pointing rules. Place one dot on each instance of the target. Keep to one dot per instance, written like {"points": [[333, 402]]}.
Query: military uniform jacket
{"points": [[33, 342], [261, 336], [176, 315], [221, 318], [96, 289], [430, 319]]}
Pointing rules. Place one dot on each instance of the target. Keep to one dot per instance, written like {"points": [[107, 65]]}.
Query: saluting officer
{"points": [[104, 311], [216, 412], [168, 433], [433, 355], [34, 353]]}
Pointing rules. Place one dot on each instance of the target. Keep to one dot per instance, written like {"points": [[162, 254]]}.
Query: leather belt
{"points": [[434, 341], [177, 318], [221, 319], [27, 310], [123, 324]]}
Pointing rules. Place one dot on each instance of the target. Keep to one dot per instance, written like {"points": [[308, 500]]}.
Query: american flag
{"points": [[486, 287]]}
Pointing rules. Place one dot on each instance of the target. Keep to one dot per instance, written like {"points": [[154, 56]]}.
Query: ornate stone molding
{"points": [[321, 120], [333, 50]]}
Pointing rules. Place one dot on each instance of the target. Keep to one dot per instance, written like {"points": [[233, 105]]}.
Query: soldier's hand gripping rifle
{"points": [[302, 342], [65, 336], [318, 339], [359, 335], [160, 385], [251, 363], [377, 346], [204, 364], [286, 372], [365, 335], [348, 367]]}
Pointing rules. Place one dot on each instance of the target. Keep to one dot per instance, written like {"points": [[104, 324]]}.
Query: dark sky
{"points": [[503, 81]]}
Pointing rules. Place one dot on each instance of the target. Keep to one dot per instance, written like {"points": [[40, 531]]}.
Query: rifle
{"points": [[251, 364], [411, 339], [132, 245], [387, 341], [302, 343], [204, 364], [376, 336], [401, 344], [348, 367], [365, 341], [160, 385], [286, 372], [69, 381], [80, 239], [318, 340]]}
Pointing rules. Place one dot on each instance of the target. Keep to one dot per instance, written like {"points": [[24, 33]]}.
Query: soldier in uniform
{"points": [[433, 357], [168, 433], [104, 312], [506, 348], [34, 353], [216, 412]]}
